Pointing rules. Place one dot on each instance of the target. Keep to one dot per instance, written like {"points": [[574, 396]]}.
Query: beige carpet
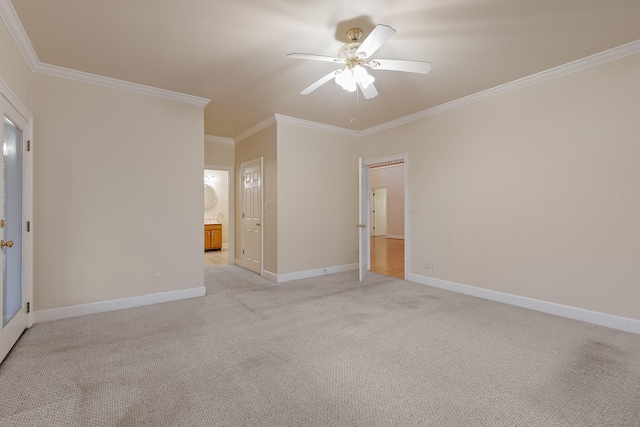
{"points": [[327, 351]]}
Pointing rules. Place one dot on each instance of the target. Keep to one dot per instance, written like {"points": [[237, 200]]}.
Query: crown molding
{"points": [[16, 30], [552, 73], [315, 125], [224, 140], [257, 128], [10, 18], [53, 70]]}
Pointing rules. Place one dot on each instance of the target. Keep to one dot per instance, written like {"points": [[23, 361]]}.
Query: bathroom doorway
{"points": [[218, 215]]}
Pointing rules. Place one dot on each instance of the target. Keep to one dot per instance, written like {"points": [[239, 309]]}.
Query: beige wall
{"points": [[261, 144], [219, 153], [117, 183], [14, 70], [391, 177], [317, 199], [532, 193]]}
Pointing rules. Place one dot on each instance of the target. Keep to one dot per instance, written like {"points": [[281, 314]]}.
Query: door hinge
{"points": [[243, 252], [242, 214], [28, 145], [28, 226], [28, 307]]}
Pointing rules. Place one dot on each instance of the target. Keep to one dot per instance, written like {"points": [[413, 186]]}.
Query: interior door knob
{"points": [[8, 244], [257, 224]]}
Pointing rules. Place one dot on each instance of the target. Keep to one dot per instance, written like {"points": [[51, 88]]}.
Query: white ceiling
{"points": [[233, 52]]}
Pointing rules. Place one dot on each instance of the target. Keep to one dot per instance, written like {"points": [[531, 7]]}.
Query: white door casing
{"points": [[363, 220], [408, 207], [251, 184], [15, 207]]}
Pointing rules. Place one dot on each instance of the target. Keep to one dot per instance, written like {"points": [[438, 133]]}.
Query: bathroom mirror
{"points": [[210, 198]]}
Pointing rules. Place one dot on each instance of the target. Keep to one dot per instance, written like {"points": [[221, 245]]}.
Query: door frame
{"points": [[231, 209], [242, 209], [407, 217], [9, 100]]}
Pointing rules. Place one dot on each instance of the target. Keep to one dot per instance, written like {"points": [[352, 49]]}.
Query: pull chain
{"points": [[357, 111]]}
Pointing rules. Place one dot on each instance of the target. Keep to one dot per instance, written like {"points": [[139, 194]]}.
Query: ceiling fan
{"points": [[356, 55]]}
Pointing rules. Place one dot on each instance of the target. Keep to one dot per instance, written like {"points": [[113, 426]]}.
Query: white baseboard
{"points": [[315, 273], [269, 275], [597, 318], [393, 236], [116, 304]]}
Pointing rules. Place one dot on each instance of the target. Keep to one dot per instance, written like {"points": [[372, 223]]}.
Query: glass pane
{"points": [[12, 214]]}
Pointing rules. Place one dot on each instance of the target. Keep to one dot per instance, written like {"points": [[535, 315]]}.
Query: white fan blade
{"points": [[379, 35], [314, 57], [368, 92], [400, 65], [319, 83]]}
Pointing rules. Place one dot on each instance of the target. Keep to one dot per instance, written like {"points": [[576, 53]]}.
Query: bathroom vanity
{"points": [[212, 236]]}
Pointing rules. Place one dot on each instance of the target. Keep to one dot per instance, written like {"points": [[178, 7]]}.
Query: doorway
{"points": [[15, 243], [219, 229], [388, 220]]}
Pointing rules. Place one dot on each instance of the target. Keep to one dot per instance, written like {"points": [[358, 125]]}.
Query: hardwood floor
{"points": [[387, 256]]}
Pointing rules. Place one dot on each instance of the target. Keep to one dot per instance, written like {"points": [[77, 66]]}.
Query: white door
{"points": [[363, 212], [13, 301], [379, 196], [251, 174]]}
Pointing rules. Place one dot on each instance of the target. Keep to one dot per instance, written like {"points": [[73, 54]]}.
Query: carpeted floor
{"points": [[327, 351]]}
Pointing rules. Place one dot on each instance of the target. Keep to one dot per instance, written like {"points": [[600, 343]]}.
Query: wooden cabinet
{"points": [[212, 236]]}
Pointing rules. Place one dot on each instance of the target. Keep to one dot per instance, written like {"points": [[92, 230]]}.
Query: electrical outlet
{"points": [[432, 265], [157, 278], [426, 263]]}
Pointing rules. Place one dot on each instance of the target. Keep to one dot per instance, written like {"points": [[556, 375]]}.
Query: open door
{"points": [[363, 224], [13, 298]]}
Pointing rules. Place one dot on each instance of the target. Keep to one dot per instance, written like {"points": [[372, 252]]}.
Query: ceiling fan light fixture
{"points": [[362, 77], [350, 78], [346, 80]]}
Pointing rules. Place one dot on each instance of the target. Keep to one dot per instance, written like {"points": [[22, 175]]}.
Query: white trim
{"points": [[315, 125], [13, 99], [597, 318], [315, 273], [80, 76], [116, 304], [224, 140], [19, 35], [270, 276], [255, 129], [552, 73], [407, 217], [231, 210], [10, 18]]}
